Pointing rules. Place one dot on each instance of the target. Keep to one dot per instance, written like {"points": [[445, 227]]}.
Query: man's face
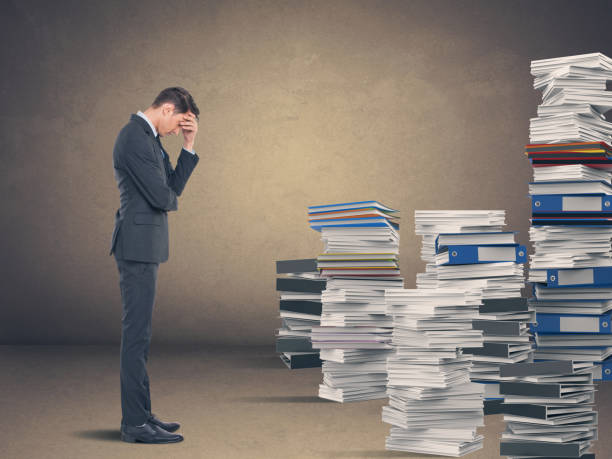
{"points": [[169, 123]]}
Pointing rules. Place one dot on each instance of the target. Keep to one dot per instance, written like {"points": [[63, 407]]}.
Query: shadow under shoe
{"points": [[148, 434]]}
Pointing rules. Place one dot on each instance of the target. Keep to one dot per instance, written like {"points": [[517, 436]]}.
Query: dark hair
{"points": [[180, 97]]}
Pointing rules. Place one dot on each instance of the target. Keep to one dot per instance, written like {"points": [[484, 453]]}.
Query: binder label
{"points": [[581, 203], [575, 277], [497, 253], [577, 324]]}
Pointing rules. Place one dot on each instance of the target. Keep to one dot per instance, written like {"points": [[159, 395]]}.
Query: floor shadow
{"points": [[102, 434], [376, 453], [284, 399], [262, 362]]}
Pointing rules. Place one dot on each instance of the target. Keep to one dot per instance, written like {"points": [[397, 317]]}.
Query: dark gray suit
{"points": [[148, 189]]}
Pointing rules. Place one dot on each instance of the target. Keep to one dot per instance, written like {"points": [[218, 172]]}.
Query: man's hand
{"points": [[189, 126]]}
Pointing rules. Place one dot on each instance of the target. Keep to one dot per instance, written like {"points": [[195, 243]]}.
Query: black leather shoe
{"points": [[167, 426], [148, 434]]}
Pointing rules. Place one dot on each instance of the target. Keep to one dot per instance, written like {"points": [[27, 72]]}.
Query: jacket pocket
{"points": [[142, 218]]}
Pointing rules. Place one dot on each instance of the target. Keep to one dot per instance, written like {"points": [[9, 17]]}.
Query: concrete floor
{"points": [[63, 402]]}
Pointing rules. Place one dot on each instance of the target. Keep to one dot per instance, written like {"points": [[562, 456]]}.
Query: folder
{"points": [[575, 220], [572, 323], [366, 222], [493, 237], [499, 327], [472, 254], [493, 406], [293, 344], [303, 306], [569, 146], [553, 367], [603, 371], [296, 266], [559, 415], [542, 390], [302, 285], [502, 350], [546, 449], [504, 305], [600, 276], [295, 360], [571, 203]]}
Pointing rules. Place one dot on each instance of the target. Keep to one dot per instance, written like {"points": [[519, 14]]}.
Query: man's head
{"points": [[170, 108]]}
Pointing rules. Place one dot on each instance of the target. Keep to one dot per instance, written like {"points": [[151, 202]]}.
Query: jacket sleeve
{"points": [[144, 169], [177, 178]]}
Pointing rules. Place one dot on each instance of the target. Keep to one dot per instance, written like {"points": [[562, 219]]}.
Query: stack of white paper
{"points": [[574, 98], [569, 247], [570, 172], [360, 261], [433, 406]]}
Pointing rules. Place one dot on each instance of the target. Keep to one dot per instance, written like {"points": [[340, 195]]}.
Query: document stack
{"points": [[548, 410], [360, 261], [574, 99], [434, 408], [300, 309], [571, 203], [468, 251]]}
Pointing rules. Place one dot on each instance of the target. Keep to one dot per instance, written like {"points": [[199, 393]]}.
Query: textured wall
{"points": [[418, 104]]}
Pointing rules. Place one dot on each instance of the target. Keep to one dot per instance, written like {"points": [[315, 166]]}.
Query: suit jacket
{"points": [[148, 188]]}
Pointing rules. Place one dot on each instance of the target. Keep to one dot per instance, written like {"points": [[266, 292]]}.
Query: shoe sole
{"points": [[131, 439]]}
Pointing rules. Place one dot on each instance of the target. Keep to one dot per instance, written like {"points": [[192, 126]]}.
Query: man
{"points": [[148, 189]]}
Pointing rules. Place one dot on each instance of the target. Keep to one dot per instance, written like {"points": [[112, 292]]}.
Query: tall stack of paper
{"points": [[360, 261], [571, 203], [433, 406], [548, 409], [574, 98], [467, 250], [300, 290]]}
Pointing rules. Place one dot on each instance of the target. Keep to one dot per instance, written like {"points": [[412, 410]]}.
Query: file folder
{"points": [[296, 266], [600, 276], [571, 203], [504, 305], [472, 254], [493, 237], [302, 285], [575, 219], [603, 371], [572, 323]]}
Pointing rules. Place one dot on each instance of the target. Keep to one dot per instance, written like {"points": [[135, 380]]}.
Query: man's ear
{"points": [[167, 109]]}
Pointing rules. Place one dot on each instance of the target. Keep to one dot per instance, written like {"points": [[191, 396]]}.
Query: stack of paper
{"points": [[548, 409], [433, 406], [488, 263], [571, 204], [360, 261], [300, 290], [574, 98], [467, 250]]}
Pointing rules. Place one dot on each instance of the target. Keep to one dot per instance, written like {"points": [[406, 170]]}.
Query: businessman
{"points": [[148, 189]]}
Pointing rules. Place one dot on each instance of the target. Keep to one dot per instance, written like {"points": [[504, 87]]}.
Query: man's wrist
{"points": [[188, 147]]}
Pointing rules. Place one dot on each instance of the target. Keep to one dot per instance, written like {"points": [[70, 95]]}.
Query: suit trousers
{"points": [[137, 282]]}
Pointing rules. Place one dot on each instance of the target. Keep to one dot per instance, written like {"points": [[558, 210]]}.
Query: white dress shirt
{"points": [[144, 117]]}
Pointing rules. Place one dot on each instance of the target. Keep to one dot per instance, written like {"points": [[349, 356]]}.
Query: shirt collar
{"points": [[144, 117]]}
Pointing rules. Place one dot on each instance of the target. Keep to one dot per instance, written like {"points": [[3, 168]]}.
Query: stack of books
{"points": [[359, 262], [300, 287], [571, 203], [468, 251], [548, 410]]}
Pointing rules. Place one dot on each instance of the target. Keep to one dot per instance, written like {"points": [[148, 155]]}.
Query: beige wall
{"points": [[418, 104]]}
